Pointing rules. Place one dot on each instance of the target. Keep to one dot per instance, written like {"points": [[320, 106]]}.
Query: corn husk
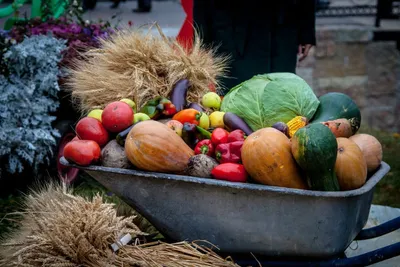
{"points": [[140, 66]]}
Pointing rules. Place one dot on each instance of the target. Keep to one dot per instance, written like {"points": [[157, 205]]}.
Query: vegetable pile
{"points": [[270, 130]]}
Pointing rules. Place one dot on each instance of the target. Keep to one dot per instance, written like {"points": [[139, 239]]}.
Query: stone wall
{"points": [[347, 60]]}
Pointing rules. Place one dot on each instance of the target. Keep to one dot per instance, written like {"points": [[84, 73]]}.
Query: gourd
{"points": [[350, 167], [340, 127], [267, 158], [336, 105], [371, 148], [314, 148], [152, 146]]}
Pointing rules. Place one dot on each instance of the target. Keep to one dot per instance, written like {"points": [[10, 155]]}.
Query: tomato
{"points": [[82, 152]]}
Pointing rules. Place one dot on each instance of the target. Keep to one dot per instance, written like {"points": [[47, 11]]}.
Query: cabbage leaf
{"points": [[268, 98]]}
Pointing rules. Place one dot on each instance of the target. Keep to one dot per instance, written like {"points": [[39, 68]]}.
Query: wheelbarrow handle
{"points": [[360, 260], [365, 259], [379, 230]]}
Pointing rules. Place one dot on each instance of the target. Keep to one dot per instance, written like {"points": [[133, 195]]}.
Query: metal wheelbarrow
{"points": [[312, 227]]}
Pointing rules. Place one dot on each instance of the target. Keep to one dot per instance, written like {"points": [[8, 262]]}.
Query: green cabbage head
{"points": [[268, 98]]}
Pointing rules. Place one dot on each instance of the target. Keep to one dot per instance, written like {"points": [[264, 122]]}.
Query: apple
{"points": [[117, 116], [176, 126], [130, 102], [211, 100], [92, 129], [95, 113], [140, 117]]}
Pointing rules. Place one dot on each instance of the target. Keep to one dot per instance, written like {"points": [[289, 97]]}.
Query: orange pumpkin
{"points": [[350, 167], [371, 148], [267, 157], [152, 146]]}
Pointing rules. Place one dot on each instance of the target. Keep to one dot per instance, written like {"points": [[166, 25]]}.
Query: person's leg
{"points": [[115, 4], [143, 6]]}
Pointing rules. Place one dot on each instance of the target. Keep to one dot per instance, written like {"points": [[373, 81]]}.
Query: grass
{"points": [[387, 191]]}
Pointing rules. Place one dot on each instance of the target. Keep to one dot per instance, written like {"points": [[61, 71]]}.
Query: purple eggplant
{"points": [[281, 126], [179, 93], [233, 122], [196, 107]]}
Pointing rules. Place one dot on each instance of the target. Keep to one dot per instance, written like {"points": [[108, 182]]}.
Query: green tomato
{"points": [[95, 113], [140, 117], [204, 121], [211, 100], [130, 102]]}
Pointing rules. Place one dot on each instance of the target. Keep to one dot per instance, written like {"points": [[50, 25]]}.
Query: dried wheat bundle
{"points": [[140, 66], [159, 254], [60, 229]]}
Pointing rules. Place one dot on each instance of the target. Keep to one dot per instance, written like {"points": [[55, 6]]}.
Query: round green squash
{"points": [[336, 105], [314, 148]]}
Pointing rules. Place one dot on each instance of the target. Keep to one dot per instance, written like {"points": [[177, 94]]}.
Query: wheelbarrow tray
{"points": [[244, 217]]}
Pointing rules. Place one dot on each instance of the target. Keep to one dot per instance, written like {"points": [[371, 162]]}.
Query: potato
{"points": [[201, 166], [113, 155]]}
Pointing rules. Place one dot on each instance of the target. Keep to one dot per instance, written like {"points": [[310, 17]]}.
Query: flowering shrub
{"points": [[79, 37], [31, 53]]}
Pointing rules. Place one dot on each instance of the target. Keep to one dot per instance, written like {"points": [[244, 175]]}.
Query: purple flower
{"points": [[74, 28], [36, 31], [87, 31]]}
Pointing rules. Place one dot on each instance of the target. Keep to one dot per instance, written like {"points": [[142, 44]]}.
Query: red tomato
{"points": [[82, 152], [89, 128], [117, 116]]}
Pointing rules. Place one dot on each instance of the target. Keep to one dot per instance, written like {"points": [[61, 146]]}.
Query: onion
{"points": [[371, 148]]}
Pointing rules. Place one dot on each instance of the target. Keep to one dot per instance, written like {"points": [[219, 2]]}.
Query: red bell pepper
{"points": [[219, 136], [229, 152], [204, 147], [236, 135], [232, 172], [169, 109], [189, 115]]}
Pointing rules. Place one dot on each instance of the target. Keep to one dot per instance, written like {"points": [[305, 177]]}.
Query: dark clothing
{"points": [[144, 4], [259, 40]]}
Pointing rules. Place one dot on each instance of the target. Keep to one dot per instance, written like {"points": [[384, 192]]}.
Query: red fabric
{"points": [[185, 36]]}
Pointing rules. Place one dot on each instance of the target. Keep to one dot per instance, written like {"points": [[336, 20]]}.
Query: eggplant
{"points": [[189, 131], [196, 107], [179, 93], [281, 126], [120, 138], [234, 122]]}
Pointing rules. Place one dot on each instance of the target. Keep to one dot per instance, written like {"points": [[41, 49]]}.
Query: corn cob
{"points": [[295, 124]]}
